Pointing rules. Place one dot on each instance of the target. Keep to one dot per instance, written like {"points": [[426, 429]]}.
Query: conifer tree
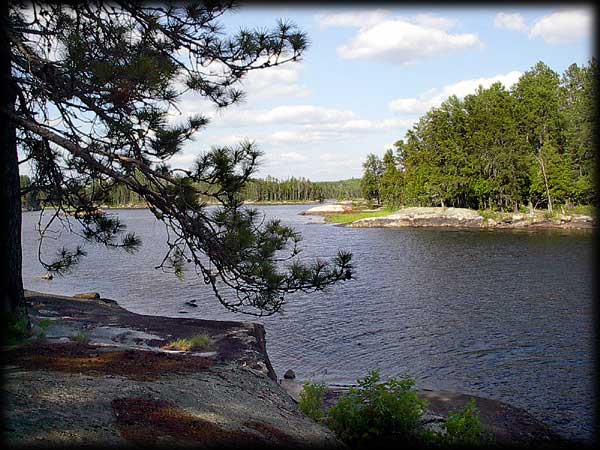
{"points": [[111, 73]]}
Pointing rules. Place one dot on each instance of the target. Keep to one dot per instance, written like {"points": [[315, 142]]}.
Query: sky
{"points": [[370, 73]]}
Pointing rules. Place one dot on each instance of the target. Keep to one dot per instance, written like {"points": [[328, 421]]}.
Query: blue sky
{"points": [[369, 74]]}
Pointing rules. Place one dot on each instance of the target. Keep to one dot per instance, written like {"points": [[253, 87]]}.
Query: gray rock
{"points": [[289, 375], [328, 209], [424, 217], [47, 276]]}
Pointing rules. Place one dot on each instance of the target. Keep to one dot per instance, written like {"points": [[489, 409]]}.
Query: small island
{"points": [[448, 218]]}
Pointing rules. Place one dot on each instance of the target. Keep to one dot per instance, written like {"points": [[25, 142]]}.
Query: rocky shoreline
{"points": [[459, 218], [466, 218], [119, 386]]}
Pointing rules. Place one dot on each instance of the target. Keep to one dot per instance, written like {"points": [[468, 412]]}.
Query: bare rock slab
{"points": [[328, 209]]}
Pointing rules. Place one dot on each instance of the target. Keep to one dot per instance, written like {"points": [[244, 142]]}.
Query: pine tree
{"points": [[112, 72], [371, 180]]}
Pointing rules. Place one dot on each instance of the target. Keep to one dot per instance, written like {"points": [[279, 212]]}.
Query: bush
{"points": [[378, 410], [312, 399], [465, 428]]}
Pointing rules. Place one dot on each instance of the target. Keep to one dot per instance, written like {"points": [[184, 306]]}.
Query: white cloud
{"points": [[434, 97], [278, 81], [287, 156], [293, 114], [563, 26], [400, 41], [354, 19], [303, 137], [191, 104], [430, 21], [511, 21], [362, 125]]}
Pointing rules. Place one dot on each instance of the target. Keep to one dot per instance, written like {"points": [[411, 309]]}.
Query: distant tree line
{"points": [[500, 149], [269, 189]]}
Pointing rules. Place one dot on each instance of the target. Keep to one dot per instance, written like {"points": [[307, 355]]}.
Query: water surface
{"points": [[501, 314]]}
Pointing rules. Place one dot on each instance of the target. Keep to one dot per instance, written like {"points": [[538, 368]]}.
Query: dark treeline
{"points": [[499, 149], [269, 189], [293, 189], [273, 190]]}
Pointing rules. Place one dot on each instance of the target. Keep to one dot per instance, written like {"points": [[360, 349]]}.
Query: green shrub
{"points": [[312, 398], [465, 429], [378, 410]]}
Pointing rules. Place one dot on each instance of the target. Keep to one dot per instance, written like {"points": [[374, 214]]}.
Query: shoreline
{"points": [[99, 371], [249, 202], [458, 218], [121, 386]]}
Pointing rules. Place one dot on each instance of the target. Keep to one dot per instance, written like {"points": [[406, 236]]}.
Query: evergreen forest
{"points": [[504, 149]]}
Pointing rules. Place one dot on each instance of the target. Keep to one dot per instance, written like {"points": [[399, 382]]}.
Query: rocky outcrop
{"points": [[540, 221], [120, 387], [468, 218], [424, 217], [328, 209]]}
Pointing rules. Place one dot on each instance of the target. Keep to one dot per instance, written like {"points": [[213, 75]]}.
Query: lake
{"points": [[496, 313]]}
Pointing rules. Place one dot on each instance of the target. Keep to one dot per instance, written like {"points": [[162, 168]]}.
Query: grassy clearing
{"points": [[201, 342], [352, 217]]}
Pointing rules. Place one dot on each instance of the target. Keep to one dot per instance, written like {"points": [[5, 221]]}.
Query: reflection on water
{"points": [[507, 315]]}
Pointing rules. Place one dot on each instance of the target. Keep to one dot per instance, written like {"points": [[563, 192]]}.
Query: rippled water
{"points": [[500, 314]]}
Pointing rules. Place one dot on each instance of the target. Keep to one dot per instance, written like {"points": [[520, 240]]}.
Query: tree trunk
{"points": [[10, 195], [541, 161]]}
